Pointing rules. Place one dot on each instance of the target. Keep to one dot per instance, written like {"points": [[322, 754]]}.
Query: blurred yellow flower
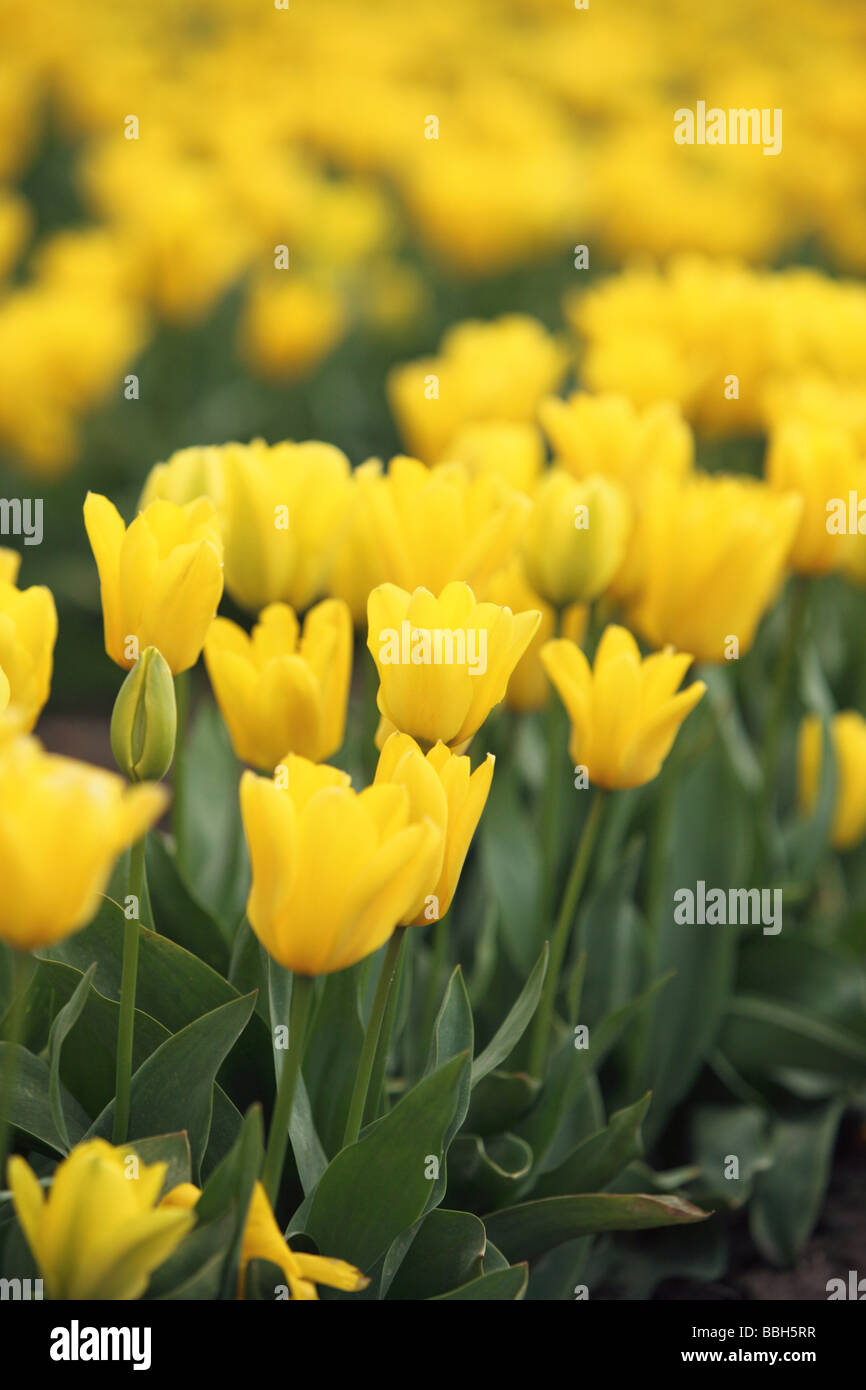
{"points": [[28, 631], [290, 323], [285, 509], [575, 537], [160, 579], [99, 1233], [443, 662], [333, 870], [280, 690], [607, 434], [528, 687], [263, 1240], [715, 550], [187, 475], [848, 734], [512, 449], [822, 465], [442, 786], [62, 825], [624, 710]]}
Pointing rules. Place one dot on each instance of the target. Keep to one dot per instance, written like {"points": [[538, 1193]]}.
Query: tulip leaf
{"points": [[788, 1197], [760, 1035], [176, 912], [517, 1021], [483, 1174], [215, 849], [380, 1185], [453, 1034], [172, 1150], [229, 1189], [499, 1100], [310, 1157], [511, 866], [331, 1057], [63, 1023], [28, 1107], [501, 1286], [530, 1228], [175, 1085], [447, 1251], [597, 1160]]}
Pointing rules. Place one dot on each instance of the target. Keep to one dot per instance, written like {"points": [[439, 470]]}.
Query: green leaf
{"points": [[170, 1149], [517, 1021], [28, 1106], [597, 1161], [196, 1269], [511, 867], [331, 1058], [453, 1030], [179, 916], [377, 1187], [229, 1189], [174, 1087], [788, 1197], [502, 1285], [63, 1023], [762, 1034], [447, 1251], [485, 1174], [213, 837], [529, 1229], [721, 1132], [499, 1100], [310, 1157]]}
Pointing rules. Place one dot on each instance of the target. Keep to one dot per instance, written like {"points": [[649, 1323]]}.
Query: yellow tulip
{"points": [[99, 1233], [358, 564], [160, 579], [285, 509], [280, 691], [333, 870], [263, 1240], [848, 733], [820, 463], [188, 474], [434, 525], [715, 550], [511, 449], [575, 538], [529, 688], [624, 710], [28, 631], [607, 434], [62, 825], [443, 662], [442, 786]]}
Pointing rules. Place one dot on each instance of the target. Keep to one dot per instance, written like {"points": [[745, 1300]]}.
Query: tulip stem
{"points": [[178, 809], [551, 804], [278, 1139], [14, 1029], [798, 604], [380, 1061], [126, 1021], [371, 1040], [561, 936]]}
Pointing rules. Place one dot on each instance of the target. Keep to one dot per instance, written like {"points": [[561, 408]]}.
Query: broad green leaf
{"points": [[723, 1132], [310, 1157], [29, 1109], [453, 1035], [64, 1022], [499, 1100], [511, 867], [529, 1229], [378, 1186], [229, 1189], [597, 1161], [763, 1034], [483, 1174], [170, 1149], [216, 851], [500, 1286], [788, 1197], [331, 1058], [446, 1252], [512, 1029], [176, 912]]}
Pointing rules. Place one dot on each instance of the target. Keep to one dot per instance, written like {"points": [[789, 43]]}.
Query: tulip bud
{"points": [[144, 720]]}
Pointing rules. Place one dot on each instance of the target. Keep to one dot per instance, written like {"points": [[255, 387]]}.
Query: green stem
{"points": [[561, 935], [20, 981], [438, 962], [799, 601], [371, 1040], [551, 804], [126, 1022], [178, 810], [380, 1061], [278, 1139]]}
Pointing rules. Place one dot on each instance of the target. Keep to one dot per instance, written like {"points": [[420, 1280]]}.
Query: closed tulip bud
{"points": [[279, 690], [333, 870], [144, 720], [442, 786], [576, 536], [443, 662], [62, 825], [160, 579], [848, 735], [714, 551], [624, 710], [263, 1240], [28, 631], [98, 1233], [819, 463]]}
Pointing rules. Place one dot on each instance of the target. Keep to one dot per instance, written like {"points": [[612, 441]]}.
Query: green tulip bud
{"points": [[144, 720]]}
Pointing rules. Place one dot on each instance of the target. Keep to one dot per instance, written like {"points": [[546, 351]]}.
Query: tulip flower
{"points": [[624, 710], [443, 662], [715, 550], [510, 449], [28, 631], [62, 825], [575, 537], [263, 1240], [99, 1233], [160, 579], [820, 463], [848, 734], [144, 720], [280, 691], [607, 434], [442, 786], [285, 510], [188, 474]]}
